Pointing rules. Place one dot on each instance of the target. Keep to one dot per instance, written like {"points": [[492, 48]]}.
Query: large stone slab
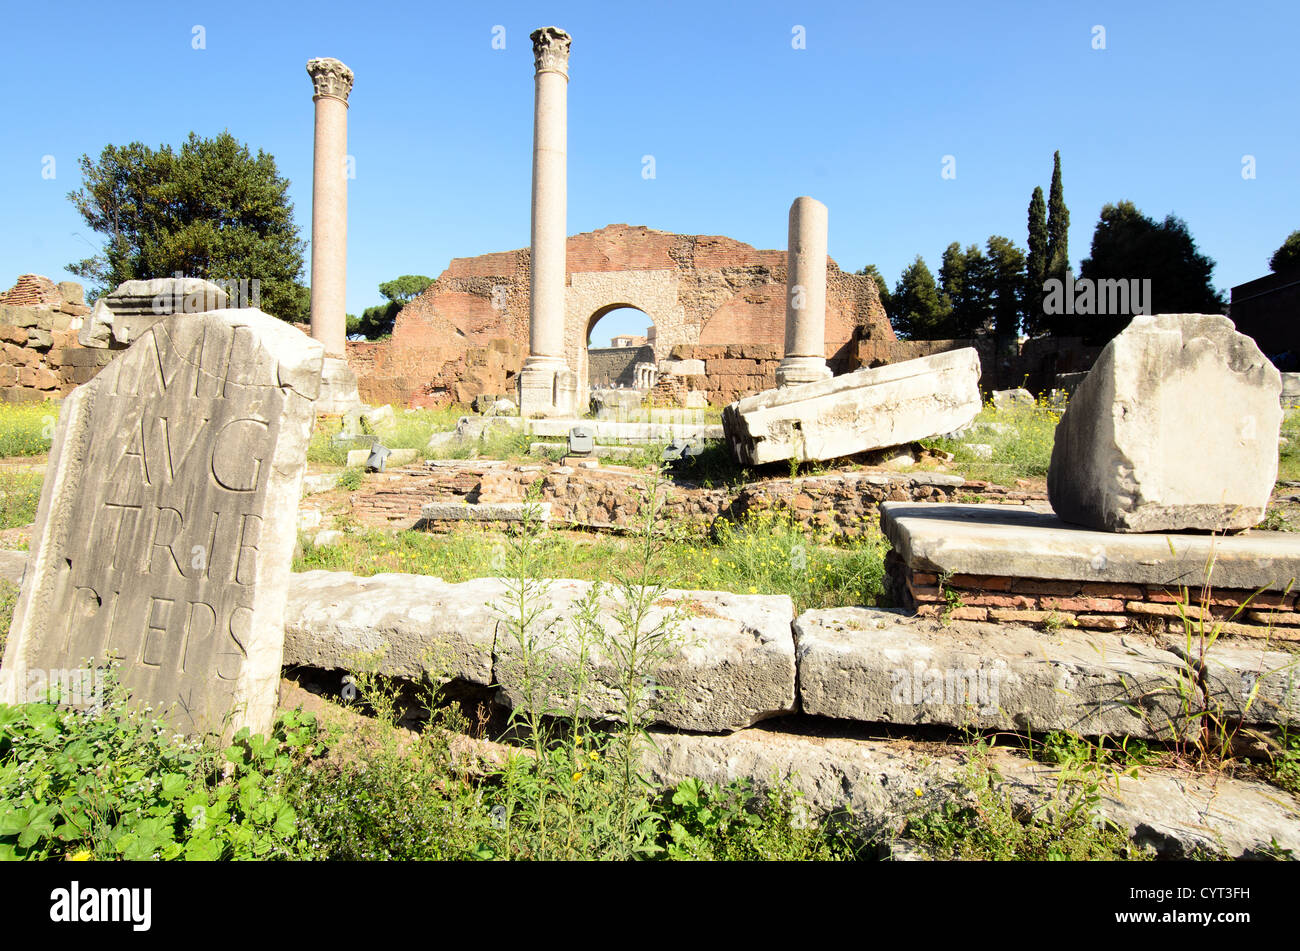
{"points": [[1174, 813], [417, 624], [877, 666], [733, 667], [1175, 427], [1012, 541], [863, 410], [165, 529]]}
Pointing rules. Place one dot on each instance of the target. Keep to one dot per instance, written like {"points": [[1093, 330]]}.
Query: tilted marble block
{"points": [[859, 411]]}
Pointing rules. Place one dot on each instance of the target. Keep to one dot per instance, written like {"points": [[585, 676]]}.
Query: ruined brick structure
{"points": [[468, 333], [39, 355]]}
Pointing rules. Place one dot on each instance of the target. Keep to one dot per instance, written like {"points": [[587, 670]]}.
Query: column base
{"points": [[795, 371], [548, 389], [338, 387]]}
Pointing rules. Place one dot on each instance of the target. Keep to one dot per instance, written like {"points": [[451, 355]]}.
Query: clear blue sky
{"points": [[738, 121]]}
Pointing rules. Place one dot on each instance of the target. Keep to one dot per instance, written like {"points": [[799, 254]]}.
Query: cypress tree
{"points": [[1036, 264], [1058, 225]]}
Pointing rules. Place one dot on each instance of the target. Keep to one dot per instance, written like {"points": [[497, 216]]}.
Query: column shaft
{"points": [[805, 301]]}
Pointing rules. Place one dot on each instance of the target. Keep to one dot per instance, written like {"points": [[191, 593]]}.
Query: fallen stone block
{"points": [[881, 667], [1168, 383], [733, 666], [1175, 814], [1012, 541], [421, 625], [1010, 399], [859, 411], [484, 511]]}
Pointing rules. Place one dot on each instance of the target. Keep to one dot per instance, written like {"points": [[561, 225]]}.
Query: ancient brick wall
{"points": [[613, 366], [844, 503], [40, 357], [1101, 606], [698, 290]]}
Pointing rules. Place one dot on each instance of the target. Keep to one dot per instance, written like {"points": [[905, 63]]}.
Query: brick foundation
{"points": [[609, 498], [1096, 606]]}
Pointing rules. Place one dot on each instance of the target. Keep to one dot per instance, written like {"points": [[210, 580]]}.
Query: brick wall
{"points": [[40, 357], [699, 290], [609, 498], [1104, 606]]}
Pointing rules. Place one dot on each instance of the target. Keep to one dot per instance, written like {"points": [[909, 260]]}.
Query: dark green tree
{"points": [[886, 298], [919, 312], [1005, 284], [377, 321], [1035, 265], [211, 210], [1058, 224], [964, 279], [1129, 246], [404, 289], [1287, 257]]}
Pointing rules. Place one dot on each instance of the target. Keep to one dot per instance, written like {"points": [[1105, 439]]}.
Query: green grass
{"points": [[20, 493], [410, 430], [27, 429], [1022, 451], [1288, 461], [770, 554]]}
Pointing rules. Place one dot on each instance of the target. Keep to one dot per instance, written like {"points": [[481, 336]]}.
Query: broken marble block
{"points": [[859, 411], [1174, 428]]}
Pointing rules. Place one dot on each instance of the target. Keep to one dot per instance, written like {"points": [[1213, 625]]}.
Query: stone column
{"points": [[332, 82], [805, 297], [547, 387]]}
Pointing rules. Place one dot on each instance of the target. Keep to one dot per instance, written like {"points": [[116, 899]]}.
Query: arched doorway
{"points": [[619, 336]]}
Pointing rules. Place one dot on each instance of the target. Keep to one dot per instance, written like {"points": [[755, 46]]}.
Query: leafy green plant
{"points": [[113, 782], [351, 479], [987, 824]]}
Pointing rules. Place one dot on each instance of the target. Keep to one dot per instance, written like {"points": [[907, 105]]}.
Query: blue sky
{"points": [[739, 121]]}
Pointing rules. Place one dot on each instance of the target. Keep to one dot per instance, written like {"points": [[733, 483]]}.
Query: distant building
{"points": [[1268, 309], [627, 340]]}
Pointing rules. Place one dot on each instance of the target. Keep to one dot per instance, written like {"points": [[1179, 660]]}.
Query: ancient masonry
{"points": [[710, 297], [41, 358]]}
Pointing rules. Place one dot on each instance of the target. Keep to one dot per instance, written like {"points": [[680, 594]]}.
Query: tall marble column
{"points": [[547, 386], [805, 298], [332, 82]]}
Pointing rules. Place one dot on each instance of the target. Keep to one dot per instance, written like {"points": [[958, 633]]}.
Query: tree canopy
{"points": [[1287, 257], [920, 312], [406, 288], [378, 320], [1127, 245], [211, 210]]}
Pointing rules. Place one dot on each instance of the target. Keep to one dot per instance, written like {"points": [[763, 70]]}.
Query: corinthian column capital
{"points": [[330, 78], [551, 50]]}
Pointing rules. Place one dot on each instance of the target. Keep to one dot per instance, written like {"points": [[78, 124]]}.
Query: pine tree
{"points": [[920, 313], [210, 209], [1006, 284], [1035, 265]]}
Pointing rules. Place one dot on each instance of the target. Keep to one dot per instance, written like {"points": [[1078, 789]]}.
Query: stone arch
{"points": [[618, 362], [591, 295]]}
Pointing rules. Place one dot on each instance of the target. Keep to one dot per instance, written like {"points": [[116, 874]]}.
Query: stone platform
{"points": [[999, 563]]}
